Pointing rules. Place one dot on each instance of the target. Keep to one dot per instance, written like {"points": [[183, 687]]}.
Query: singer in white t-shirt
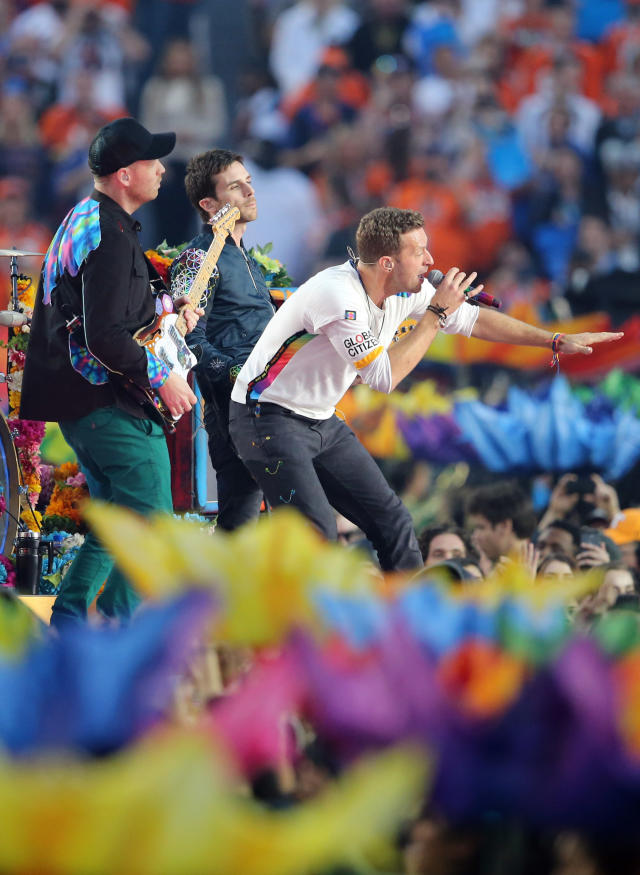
{"points": [[339, 326]]}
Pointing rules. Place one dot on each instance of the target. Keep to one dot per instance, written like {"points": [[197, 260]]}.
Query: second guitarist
{"points": [[237, 308]]}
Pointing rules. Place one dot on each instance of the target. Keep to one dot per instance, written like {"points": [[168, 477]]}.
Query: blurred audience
{"points": [[181, 98], [502, 521], [443, 542], [21, 230], [556, 566]]}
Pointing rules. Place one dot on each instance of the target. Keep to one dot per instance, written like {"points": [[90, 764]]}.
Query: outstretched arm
{"points": [[498, 327]]}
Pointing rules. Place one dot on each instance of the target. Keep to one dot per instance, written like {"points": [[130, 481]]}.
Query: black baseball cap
{"points": [[123, 141]]}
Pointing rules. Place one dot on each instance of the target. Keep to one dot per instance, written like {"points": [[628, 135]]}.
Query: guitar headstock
{"points": [[225, 219]]}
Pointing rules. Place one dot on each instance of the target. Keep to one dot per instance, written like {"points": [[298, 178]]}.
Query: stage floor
{"points": [[40, 605]]}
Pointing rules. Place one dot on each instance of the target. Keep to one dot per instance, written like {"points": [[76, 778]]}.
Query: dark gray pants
{"points": [[239, 496], [317, 466]]}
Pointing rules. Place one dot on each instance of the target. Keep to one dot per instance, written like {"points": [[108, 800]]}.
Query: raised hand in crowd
{"points": [[591, 554], [561, 502], [526, 555], [529, 557], [606, 498]]}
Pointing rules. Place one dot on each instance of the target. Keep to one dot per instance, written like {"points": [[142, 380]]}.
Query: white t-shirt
{"points": [[324, 336]]}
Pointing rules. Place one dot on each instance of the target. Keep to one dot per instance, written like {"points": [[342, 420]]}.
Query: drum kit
{"points": [[9, 468]]}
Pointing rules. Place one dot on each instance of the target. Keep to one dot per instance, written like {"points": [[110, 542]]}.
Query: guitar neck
{"points": [[202, 277]]}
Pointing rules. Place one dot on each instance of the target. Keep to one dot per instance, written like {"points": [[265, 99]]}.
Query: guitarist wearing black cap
{"points": [[96, 291]]}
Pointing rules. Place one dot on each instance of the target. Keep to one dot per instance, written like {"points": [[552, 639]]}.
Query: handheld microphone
{"points": [[435, 277]]}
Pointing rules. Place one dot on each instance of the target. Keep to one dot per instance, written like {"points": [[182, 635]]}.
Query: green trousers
{"points": [[126, 462]]}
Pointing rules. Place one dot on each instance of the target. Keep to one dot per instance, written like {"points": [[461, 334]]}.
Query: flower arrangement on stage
{"points": [[65, 548], [27, 437], [70, 490], [27, 434], [274, 271], [7, 572], [162, 256], [52, 497]]}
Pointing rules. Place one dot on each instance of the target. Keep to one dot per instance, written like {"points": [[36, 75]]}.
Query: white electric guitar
{"points": [[164, 336]]}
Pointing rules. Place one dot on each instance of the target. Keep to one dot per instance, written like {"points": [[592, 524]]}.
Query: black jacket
{"points": [[111, 290], [237, 308]]}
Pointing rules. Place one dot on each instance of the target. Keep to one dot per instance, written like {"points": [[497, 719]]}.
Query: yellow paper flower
{"points": [[33, 518], [169, 806], [14, 402], [27, 293], [265, 573], [68, 501]]}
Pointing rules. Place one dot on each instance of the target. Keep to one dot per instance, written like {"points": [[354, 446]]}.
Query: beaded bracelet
{"points": [[440, 312], [556, 340]]}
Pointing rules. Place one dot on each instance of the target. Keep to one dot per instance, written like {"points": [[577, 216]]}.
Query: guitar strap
{"points": [[157, 283]]}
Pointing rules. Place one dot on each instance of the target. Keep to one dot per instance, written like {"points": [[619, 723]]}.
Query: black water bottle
{"points": [[28, 563]]}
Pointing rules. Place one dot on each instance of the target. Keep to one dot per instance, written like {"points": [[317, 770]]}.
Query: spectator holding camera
{"points": [[595, 549], [584, 545], [577, 497]]}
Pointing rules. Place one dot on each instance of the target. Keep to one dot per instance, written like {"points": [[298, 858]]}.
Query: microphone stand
{"points": [[14, 283]]}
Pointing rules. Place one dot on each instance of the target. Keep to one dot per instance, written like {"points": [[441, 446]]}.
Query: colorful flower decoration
{"points": [[262, 596], [553, 428], [64, 510], [7, 572], [162, 256], [274, 272], [27, 435], [95, 690], [170, 805], [554, 745]]}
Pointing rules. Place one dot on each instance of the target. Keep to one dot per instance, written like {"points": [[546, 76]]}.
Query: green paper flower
{"points": [[274, 272]]}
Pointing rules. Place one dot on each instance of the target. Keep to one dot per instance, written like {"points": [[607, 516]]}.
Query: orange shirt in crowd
{"points": [[488, 219], [621, 46], [449, 242], [62, 126]]}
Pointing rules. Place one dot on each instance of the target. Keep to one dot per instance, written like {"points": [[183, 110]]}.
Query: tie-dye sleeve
{"points": [[157, 370]]}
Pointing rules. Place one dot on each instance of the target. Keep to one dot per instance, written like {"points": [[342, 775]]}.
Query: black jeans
{"points": [[239, 496], [317, 466]]}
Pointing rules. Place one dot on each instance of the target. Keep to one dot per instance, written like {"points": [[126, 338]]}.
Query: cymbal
{"points": [[20, 252]]}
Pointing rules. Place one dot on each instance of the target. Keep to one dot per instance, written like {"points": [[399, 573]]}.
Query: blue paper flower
{"points": [[95, 689]]}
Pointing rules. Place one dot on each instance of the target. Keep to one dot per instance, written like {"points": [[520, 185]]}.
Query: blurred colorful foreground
{"points": [[519, 712], [556, 428]]}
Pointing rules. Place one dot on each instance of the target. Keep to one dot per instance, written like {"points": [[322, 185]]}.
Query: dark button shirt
{"points": [[111, 290], [237, 308]]}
